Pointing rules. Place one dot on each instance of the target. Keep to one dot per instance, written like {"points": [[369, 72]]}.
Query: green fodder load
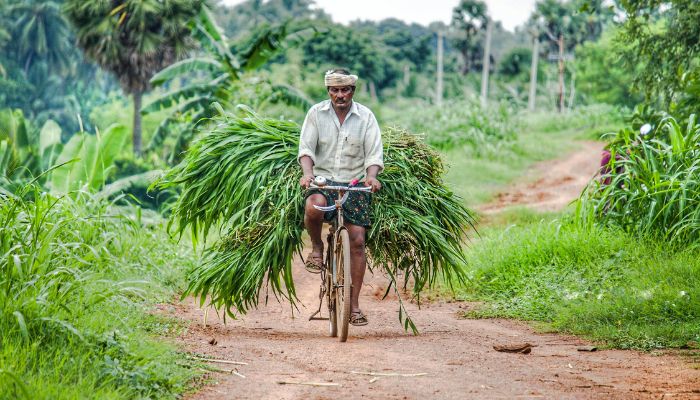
{"points": [[654, 186], [242, 177]]}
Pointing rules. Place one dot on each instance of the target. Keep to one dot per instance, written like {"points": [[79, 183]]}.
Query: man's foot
{"points": [[358, 318], [314, 262]]}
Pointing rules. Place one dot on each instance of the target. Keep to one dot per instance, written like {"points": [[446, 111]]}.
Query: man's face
{"points": [[341, 96]]}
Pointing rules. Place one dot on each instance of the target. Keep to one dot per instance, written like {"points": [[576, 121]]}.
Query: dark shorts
{"points": [[355, 211]]}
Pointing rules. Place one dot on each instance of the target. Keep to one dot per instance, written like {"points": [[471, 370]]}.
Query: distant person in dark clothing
{"points": [[606, 172]]}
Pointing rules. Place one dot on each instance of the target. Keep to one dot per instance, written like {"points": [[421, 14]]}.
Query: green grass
{"points": [[77, 278], [597, 282], [654, 188]]}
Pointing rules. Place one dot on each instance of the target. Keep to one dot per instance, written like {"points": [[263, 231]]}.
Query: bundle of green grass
{"points": [[241, 177]]}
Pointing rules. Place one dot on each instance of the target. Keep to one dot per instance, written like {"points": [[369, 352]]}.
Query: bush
{"points": [[457, 123], [654, 187]]}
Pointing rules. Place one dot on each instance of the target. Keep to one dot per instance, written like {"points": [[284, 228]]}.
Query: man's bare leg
{"points": [[313, 220], [358, 261]]}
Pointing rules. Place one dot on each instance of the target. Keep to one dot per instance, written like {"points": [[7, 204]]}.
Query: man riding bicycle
{"points": [[340, 141]]}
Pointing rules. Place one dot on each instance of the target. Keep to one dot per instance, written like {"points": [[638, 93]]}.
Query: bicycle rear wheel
{"points": [[343, 283]]}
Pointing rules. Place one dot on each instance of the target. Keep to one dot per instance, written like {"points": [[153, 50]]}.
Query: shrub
{"points": [[654, 183]]}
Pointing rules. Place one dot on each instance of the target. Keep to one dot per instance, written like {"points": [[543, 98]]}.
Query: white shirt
{"points": [[341, 152]]}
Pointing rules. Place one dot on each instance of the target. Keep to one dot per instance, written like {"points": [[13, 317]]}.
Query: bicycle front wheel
{"points": [[330, 299], [343, 283]]}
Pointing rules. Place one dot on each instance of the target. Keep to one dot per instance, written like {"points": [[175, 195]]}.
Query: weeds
{"points": [[74, 275], [654, 188]]}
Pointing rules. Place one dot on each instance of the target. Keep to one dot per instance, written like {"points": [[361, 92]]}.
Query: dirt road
{"points": [[551, 185], [455, 354]]}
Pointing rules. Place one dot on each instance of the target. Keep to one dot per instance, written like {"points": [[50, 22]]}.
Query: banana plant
{"points": [[222, 67], [87, 160], [25, 152]]}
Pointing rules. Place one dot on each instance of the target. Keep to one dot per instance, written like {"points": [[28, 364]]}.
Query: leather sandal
{"points": [[314, 263], [358, 318]]}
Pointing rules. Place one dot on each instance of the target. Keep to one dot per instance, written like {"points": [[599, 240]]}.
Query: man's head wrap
{"points": [[337, 79]]}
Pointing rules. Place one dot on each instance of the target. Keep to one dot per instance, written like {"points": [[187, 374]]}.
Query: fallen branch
{"points": [[389, 374], [218, 361], [309, 383]]}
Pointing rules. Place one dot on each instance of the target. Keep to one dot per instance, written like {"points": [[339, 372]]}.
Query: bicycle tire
{"points": [[343, 283]]}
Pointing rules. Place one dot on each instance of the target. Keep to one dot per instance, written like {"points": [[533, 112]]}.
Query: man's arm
{"points": [[307, 149], [307, 167], [374, 154], [371, 179]]}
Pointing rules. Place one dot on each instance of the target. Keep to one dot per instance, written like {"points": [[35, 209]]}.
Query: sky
{"points": [[511, 13]]}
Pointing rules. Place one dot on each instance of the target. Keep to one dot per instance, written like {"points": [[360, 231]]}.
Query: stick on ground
{"points": [[388, 374], [309, 383], [219, 361]]}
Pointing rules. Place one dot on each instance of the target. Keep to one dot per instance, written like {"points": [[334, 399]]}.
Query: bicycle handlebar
{"points": [[343, 188], [343, 199]]}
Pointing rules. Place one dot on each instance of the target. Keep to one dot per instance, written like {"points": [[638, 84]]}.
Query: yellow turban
{"points": [[335, 79]]}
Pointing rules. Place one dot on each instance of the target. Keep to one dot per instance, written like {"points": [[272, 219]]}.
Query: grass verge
{"points": [[597, 282]]}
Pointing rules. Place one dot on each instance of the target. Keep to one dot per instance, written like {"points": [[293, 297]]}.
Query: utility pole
{"points": [[486, 65], [533, 73], [560, 103], [438, 89]]}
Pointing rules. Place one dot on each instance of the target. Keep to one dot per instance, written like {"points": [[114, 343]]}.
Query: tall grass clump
{"points": [[458, 123], [598, 281], [241, 177], [654, 187], [75, 277]]}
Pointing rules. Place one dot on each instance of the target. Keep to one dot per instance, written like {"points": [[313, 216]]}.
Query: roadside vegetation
{"points": [[599, 282], [78, 280]]}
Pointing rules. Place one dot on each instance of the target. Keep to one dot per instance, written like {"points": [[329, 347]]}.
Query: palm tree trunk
{"points": [[137, 123]]}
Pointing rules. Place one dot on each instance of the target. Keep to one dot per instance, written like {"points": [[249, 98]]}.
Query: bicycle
{"points": [[336, 281]]}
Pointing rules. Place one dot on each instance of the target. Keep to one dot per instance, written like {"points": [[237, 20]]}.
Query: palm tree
{"points": [[218, 74], [469, 18], [40, 34], [134, 39]]}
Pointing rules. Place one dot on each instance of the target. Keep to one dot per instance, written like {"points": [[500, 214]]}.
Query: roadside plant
{"points": [[75, 273], [654, 187]]}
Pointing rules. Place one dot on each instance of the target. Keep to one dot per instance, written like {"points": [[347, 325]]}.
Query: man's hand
{"points": [[306, 180], [373, 183]]}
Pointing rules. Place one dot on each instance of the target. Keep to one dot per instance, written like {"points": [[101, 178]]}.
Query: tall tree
{"points": [[469, 19], [40, 34], [562, 25], [661, 41], [134, 39]]}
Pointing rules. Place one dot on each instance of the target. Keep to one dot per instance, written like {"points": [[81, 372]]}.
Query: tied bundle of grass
{"points": [[241, 176]]}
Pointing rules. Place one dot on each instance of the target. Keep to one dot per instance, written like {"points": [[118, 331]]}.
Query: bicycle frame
{"points": [[330, 286]]}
